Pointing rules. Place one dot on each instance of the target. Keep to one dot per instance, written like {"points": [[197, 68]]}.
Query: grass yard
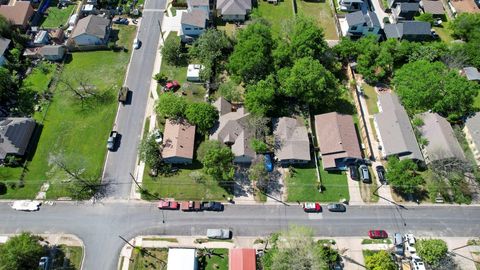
{"points": [[303, 185], [57, 17], [71, 258], [277, 15], [153, 258], [366, 190], [371, 98], [444, 34], [322, 13], [182, 187], [79, 132], [217, 261], [40, 77], [376, 241]]}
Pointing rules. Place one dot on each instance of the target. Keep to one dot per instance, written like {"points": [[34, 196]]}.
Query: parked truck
{"points": [[123, 94], [191, 206]]}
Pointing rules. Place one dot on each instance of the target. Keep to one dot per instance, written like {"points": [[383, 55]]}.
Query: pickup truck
{"points": [[112, 140], [191, 206], [122, 94]]}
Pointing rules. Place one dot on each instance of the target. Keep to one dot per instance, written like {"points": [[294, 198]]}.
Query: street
{"points": [[130, 117], [100, 225]]}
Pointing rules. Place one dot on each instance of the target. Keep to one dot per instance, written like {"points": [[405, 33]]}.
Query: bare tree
{"points": [[79, 86]]}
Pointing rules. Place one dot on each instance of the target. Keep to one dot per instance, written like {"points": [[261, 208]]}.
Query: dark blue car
{"points": [[268, 163]]}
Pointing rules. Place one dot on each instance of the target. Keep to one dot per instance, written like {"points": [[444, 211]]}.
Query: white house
{"points": [[193, 24], [91, 30]]}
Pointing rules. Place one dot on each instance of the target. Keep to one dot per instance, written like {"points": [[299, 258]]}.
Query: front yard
{"points": [[57, 17], [217, 260], [302, 185], [322, 13], [152, 258], [277, 15]]}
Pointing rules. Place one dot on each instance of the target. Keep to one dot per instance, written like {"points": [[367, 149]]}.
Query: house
{"points": [[471, 73], [182, 259], [291, 141], [193, 24], [53, 52], [233, 10], [405, 11], [350, 5], [178, 142], [434, 7], [91, 30], [394, 131], [19, 14], [199, 5], [409, 30], [193, 72], [15, 134], [441, 141], [233, 130], [337, 140], [4, 44], [41, 38], [362, 24], [472, 134], [392, 3], [242, 259]]}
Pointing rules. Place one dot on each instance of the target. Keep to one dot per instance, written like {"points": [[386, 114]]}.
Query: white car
{"points": [[26, 205], [410, 241], [136, 43], [418, 264], [158, 136]]}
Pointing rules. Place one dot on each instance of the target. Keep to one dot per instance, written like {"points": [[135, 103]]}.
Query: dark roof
{"points": [[4, 43], [359, 17], [410, 28], [15, 134], [433, 7], [195, 18], [407, 7]]}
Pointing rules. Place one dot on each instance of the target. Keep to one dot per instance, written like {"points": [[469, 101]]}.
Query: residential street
{"points": [[130, 117], [100, 225]]}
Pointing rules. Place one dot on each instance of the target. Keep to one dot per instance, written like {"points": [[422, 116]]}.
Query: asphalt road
{"points": [[100, 225], [129, 123]]}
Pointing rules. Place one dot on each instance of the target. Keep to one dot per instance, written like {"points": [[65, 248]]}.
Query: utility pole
{"points": [[144, 191], [161, 31], [143, 250]]}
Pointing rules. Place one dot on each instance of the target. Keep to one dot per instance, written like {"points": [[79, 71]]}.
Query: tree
{"points": [[403, 176], [21, 252], [258, 174], [259, 146], [466, 26], [205, 146], [259, 125], [79, 86], [425, 17], [230, 91], [431, 251], [260, 97], [211, 49], [170, 105], [309, 82], [251, 59], [8, 86], [218, 162], [149, 152], [203, 115], [424, 86], [380, 260], [172, 51]]}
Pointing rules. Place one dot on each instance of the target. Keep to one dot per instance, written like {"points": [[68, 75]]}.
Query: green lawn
{"points": [[277, 15], [70, 258], [376, 241], [56, 17], [371, 98], [182, 187], [218, 261], [40, 77], [153, 258], [322, 13], [78, 132], [303, 185]]}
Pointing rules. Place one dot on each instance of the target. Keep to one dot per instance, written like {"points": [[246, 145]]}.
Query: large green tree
{"points": [[380, 261], [203, 115], [218, 162], [431, 251], [230, 91], [21, 252], [403, 175], [149, 152], [260, 97], [251, 59], [466, 26], [171, 105], [8, 86]]}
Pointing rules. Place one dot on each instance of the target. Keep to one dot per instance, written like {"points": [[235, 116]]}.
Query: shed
{"points": [[41, 38], [53, 52], [182, 259], [193, 72]]}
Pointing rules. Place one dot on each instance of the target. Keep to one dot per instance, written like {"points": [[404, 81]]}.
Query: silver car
{"points": [[219, 233], [364, 174]]}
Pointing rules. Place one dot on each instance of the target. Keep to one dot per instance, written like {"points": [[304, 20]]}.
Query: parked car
{"points": [[212, 206], [410, 243], [219, 233], [167, 205], [417, 264], [112, 140], [353, 172], [158, 136], [123, 94], [121, 21], [26, 205], [377, 234], [191, 206], [364, 174], [381, 174], [268, 163], [136, 43], [171, 86], [44, 263], [336, 207], [398, 243], [312, 207]]}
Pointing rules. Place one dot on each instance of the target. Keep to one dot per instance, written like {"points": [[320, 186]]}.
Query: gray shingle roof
{"points": [[15, 134], [399, 30], [92, 25], [473, 125], [358, 17], [4, 43], [52, 50], [394, 129], [195, 17], [442, 143], [234, 7], [291, 139], [408, 7], [199, 2], [472, 73], [433, 7]]}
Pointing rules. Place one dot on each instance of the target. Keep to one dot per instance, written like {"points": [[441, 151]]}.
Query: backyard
{"points": [[56, 17], [74, 130], [277, 15], [302, 185], [218, 260], [152, 258], [322, 13], [371, 98]]}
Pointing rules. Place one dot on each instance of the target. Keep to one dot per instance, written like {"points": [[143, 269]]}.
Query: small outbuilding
{"points": [[193, 72], [182, 259], [53, 52]]}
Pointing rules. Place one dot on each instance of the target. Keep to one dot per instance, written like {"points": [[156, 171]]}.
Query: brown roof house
{"points": [[291, 141], [337, 139], [178, 142], [242, 259], [91, 30], [15, 135], [19, 14], [232, 130]]}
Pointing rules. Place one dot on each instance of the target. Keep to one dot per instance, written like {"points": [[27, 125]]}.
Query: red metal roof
{"points": [[241, 259]]}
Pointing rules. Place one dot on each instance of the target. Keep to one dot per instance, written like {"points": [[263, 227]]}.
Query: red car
{"points": [[172, 85], [377, 234], [168, 205], [312, 207]]}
